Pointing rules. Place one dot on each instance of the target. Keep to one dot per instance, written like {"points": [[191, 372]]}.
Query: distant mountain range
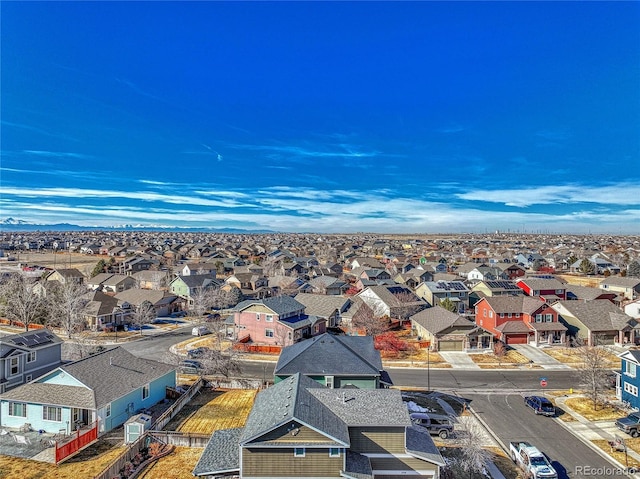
{"points": [[12, 224]]}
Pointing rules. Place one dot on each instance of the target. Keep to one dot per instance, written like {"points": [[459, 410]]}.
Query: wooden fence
{"points": [[184, 439], [169, 414], [113, 469], [257, 348], [78, 440]]}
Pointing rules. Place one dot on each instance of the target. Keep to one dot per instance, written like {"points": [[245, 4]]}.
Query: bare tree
{"points": [[20, 302], [593, 372], [221, 362], [408, 304], [80, 347], [474, 457], [201, 301], [143, 314], [67, 303], [500, 351], [367, 319]]}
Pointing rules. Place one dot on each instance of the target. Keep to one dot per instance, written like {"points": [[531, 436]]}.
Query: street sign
{"points": [[543, 382]]}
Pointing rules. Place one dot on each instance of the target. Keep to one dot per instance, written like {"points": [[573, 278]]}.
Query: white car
{"points": [[200, 331]]}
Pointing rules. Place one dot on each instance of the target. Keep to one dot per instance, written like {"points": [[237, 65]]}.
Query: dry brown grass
{"points": [[176, 465], [511, 357], [620, 456], [584, 407], [230, 409], [15, 467], [572, 357]]}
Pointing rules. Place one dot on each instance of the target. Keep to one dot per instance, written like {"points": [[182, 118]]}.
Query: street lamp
{"points": [[429, 367]]}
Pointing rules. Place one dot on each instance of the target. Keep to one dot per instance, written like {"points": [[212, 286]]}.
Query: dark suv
{"points": [[630, 424], [540, 405], [436, 424]]}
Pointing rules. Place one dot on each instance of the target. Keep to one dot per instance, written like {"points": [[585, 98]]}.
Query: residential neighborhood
{"points": [[335, 325]]}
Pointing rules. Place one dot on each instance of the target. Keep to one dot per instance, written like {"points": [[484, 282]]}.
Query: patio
{"points": [[27, 444]]}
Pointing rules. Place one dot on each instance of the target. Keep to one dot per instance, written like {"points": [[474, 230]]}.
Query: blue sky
{"points": [[387, 117]]}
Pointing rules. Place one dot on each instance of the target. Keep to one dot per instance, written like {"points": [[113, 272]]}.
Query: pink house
{"points": [[278, 321]]}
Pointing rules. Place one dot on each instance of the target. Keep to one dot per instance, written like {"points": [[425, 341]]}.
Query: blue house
{"points": [[106, 388], [629, 381]]}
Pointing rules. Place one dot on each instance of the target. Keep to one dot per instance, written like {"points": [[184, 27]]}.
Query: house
{"points": [[116, 283], [629, 378], [447, 331], [413, 277], [251, 284], [512, 270], [365, 262], [163, 303], [64, 275], [624, 285], [25, 356], [199, 268], [520, 320], [108, 388], [549, 289], [587, 293], [597, 322], [328, 285], [150, 279], [486, 273], [136, 263], [299, 428], [633, 309], [278, 321], [434, 292], [599, 265], [103, 311], [528, 259], [394, 301], [484, 289], [329, 307], [335, 361], [186, 287]]}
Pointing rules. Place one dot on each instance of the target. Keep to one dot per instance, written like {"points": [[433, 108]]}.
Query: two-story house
{"points": [[277, 321], [628, 382], [334, 361], [394, 301], [329, 307], [299, 428], [626, 286], [520, 320], [186, 287], [485, 289], [26, 356], [434, 292], [549, 289]]}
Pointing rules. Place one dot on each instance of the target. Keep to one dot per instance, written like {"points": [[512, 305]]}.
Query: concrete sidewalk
{"points": [[539, 357], [588, 431]]}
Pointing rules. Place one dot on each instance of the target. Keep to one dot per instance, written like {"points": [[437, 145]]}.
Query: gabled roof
{"points": [[621, 281], [419, 443], [333, 355], [137, 296], [30, 341], [222, 453], [104, 377], [514, 304], [322, 304], [438, 319], [597, 315], [280, 305], [291, 401], [196, 280], [540, 284]]}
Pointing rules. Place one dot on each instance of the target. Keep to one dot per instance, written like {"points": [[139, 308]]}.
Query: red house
{"points": [[549, 289], [520, 320]]}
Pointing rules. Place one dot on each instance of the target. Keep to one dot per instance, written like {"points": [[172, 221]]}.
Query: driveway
{"points": [[458, 360], [539, 357]]}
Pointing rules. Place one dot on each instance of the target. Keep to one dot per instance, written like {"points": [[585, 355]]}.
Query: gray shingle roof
{"points": [[418, 442], [291, 400], [328, 354], [365, 407], [598, 315], [222, 453], [539, 284], [514, 304], [438, 319], [114, 373], [357, 466], [621, 281], [322, 304], [53, 395], [280, 305]]}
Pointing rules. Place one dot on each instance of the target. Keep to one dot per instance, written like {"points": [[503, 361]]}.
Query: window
{"points": [[50, 413], [491, 314], [268, 318], [268, 333], [316, 329], [538, 318], [559, 291], [28, 377], [257, 316], [334, 452], [630, 369], [484, 313], [18, 409], [328, 381], [509, 315], [14, 366], [31, 356], [107, 410], [502, 315], [298, 452], [631, 389], [548, 318], [145, 391], [289, 335]]}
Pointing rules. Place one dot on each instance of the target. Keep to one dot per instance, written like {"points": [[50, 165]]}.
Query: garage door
{"points": [[517, 339], [450, 345]]}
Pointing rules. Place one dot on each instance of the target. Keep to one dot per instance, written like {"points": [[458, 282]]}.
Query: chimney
{"points": [[110, 360]]}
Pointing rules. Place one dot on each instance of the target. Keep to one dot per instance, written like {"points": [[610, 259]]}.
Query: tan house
{"points": [[447, 331], [300, 428]]}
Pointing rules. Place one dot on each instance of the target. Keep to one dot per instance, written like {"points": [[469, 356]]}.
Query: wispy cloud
{"points": [[618, 194], [57, 154], [39, 130], [334, 151]]}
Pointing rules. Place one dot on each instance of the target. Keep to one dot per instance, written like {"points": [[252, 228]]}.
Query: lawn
{"points": [[227, 410], [511, 360], [619, 456], [584, 407], [176, 465], [14, 467], [572, 356]]}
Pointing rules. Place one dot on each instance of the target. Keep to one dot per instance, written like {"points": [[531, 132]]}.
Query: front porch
{"points": [[547, 334]]}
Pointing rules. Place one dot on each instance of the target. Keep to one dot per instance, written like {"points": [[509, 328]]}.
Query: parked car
{"points": [[630, 424], [437, 424], [200, 331], [189, 366], [197, 352], [540, 405]]}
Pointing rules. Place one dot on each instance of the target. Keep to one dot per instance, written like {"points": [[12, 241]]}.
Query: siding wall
{"points": [[401, 464], [377, 440], [281, 463]]}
